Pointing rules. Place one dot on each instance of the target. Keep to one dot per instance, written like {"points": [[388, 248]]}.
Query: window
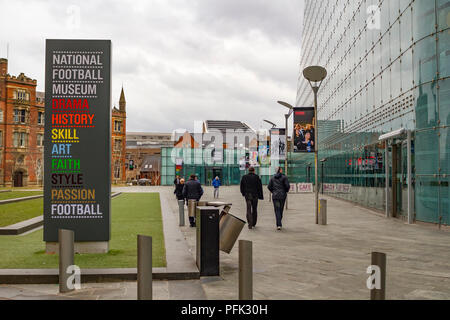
{"points": [[40, 118], [22, 95], [1, 139], [118, 126], [1, 115], [117, 169], [117, 144], [20, 139], [40, 140], [20, 116]]}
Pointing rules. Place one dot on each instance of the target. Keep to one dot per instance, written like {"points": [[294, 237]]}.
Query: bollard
{"points": [[144, 268], [245, 270], [66, 257], [181, 211], [379, 259], [323, 212]]}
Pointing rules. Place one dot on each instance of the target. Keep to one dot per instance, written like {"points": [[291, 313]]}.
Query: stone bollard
{"points": [[144, 268], [181, 212], [323, 212], [66, 257], [245, 270]]}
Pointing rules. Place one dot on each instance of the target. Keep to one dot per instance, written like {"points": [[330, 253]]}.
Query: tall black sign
{"points": [[77, 147]]}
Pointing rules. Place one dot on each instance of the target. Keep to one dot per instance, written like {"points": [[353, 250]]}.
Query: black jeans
{"points": [[278, 205], [252, 209]]}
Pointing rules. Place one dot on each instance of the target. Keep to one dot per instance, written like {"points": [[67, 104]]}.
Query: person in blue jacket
{"points": [[216, 185]]}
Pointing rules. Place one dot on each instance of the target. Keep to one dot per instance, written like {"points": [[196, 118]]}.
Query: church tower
{"points": [[118, 141], [122, 102]]}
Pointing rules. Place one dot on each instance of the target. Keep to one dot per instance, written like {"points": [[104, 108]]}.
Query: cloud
{"points": [[179, 61]]}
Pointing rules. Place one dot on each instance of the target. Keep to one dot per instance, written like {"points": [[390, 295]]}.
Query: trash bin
{"points": [[229, 229], [207, 244], [192, 205]]}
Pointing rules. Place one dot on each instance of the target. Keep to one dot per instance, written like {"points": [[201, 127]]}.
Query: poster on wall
{"points": [[304, 131], [277, 144], [253, 159], [77, 144], [263, 155], [242, 163]]}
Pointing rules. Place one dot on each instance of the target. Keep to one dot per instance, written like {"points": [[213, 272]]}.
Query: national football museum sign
{"points": [[77, 184]]}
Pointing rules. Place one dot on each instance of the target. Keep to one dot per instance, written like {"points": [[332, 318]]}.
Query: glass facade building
{"points": [[388, 64], [198, 161]]}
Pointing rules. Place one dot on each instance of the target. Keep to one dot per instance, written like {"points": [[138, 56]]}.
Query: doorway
{"points": [[211, 173], [18, 179]]}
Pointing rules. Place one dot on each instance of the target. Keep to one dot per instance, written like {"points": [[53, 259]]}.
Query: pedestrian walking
{"points": [[279, 187], [179, 190], [192, 190], [216, 184], [251, 189], [176, 180]]}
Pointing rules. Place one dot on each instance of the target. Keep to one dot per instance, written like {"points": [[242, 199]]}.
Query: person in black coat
{"points": [[279, 187], [251, 189], [179, 190], [192, 190]]}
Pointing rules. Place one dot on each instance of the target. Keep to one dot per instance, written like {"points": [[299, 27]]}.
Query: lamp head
{"points": [[314, 73]]}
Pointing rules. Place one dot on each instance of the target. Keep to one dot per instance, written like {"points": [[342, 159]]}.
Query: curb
{"points": [[20, 199], [51, 276], [22, 227], [27, 225]]}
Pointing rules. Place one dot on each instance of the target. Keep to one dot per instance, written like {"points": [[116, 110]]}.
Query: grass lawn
{"points": [[11, 213], [18, 194], [132, 214]]}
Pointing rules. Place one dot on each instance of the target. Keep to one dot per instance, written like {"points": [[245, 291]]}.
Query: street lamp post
{"points": [[286, 116], [315, 76]]}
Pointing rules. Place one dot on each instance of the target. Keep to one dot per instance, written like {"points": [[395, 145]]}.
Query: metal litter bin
{"points": [[192, 205], [229, 229]]}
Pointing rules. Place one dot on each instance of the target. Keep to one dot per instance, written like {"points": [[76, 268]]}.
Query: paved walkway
{"points": [[162, 290], [308, 261], [303, 261]]}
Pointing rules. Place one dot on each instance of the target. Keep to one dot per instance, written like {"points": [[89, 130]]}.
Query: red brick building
{"points": [[21, 130], [118, 141]]}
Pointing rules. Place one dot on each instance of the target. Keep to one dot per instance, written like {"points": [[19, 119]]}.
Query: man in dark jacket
{"points": [[279, 187], [251, 189], [192, 190]]}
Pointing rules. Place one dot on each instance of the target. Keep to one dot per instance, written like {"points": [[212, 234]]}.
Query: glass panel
{"points": [[444, 102], [425, 60], [444, 53], [396, 82], [426, 106], [443, 12], [426, 152], [444, 196], [444, 146], [426, 194], [423, 18], [405, 30], [407, 71], [395, 40]]}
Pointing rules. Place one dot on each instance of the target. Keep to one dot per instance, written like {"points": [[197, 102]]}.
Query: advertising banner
{"points": [[304, 131], [77, 144], [278, 144], [304, 187], [263, 155]]}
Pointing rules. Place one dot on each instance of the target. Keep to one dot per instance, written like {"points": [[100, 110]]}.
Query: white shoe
{"points": [[278, 228]]}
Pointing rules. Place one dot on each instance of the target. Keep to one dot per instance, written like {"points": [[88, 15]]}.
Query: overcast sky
{"points": [[178, 60]]}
